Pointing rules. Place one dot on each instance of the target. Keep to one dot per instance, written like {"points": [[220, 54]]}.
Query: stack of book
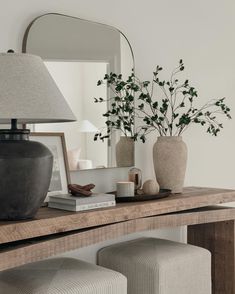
{"points": [[71, 203]]}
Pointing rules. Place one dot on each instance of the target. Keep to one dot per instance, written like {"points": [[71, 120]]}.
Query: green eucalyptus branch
{"points": [[121, 110], [175, 112], [169, 115]]}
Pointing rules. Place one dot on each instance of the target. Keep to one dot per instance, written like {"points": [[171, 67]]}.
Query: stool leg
{"points": [[218, 238]]}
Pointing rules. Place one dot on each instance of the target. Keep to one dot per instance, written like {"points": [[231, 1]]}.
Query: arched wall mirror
{"points": [[77, 54]]}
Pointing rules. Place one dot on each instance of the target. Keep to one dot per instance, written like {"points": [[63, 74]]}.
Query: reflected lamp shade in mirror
{"points": [[28, 94], [87, 127]]}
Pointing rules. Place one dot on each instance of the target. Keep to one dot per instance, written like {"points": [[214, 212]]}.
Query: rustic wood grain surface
{"points": [[22, 252], [51, 221]]}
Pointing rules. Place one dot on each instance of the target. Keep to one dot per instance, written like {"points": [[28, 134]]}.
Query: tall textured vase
{"points": [[125, 152], [170, 160]]}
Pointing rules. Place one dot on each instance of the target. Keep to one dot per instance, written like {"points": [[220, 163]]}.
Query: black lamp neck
{"points": [[14, 133], [14, 124]]}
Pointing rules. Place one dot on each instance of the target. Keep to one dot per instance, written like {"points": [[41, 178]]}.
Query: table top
{"points": [[54, 231], [52, 221]]}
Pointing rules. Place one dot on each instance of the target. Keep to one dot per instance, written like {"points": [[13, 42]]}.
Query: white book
{"points": [[81, 200], [81, 207]]}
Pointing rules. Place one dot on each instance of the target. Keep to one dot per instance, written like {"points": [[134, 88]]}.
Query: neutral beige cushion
{"points": [[62, 275], [156, 266]]}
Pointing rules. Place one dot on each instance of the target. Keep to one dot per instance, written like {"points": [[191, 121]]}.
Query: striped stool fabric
{"points": [[62, 276], [156, 266]]}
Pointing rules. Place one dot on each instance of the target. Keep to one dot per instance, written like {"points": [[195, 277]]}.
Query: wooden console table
{"points": [[54, 231]]}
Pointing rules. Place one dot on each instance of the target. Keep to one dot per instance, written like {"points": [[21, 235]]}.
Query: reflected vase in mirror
{"points": [[125, 152]]}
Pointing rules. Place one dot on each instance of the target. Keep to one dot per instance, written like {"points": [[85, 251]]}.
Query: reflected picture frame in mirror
{"points": [[60, 179], [64, 42]]}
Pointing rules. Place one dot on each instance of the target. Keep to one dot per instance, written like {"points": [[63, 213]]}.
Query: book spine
{"points": [[62, 201], [95, 205], [81, 207], [62, 206]]}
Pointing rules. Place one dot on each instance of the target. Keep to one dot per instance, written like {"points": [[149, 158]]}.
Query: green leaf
{"points": [[155, 104], [175, 115], [141, 106], [146, 83]]}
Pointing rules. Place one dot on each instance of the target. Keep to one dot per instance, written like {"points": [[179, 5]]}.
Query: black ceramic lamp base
{"points": [[25, 174]]}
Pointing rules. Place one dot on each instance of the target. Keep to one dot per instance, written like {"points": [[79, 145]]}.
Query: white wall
{"points": [[201, 32]]}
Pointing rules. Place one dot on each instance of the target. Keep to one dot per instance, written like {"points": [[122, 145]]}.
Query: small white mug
{"points": [[125, 189]]}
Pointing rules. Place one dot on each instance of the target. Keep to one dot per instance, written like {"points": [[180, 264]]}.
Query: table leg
{"points": [[218, 238]]}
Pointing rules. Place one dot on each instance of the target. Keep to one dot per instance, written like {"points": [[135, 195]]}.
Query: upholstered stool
{"points": [[62, 276], [155, 266]]}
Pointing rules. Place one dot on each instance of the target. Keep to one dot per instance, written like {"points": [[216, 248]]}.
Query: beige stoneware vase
{"points": [[170, 160], [125, 152]]}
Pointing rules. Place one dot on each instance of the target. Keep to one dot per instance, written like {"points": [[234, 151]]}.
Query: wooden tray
{"points": [[144, 197]]}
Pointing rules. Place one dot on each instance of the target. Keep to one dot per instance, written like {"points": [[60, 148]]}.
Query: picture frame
{"points": [[60, 173]]}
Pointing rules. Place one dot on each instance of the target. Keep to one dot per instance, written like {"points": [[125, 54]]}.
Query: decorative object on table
{"points": [[28, 94], [170, 160], [163, 193], [139, 191], [135, 176], [125, 189], [78, 190], [170, 116], [151, 187], [60, 178], [71, 203]]}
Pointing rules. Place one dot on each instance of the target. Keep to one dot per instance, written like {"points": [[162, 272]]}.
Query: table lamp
{"points": [[28, 94]]}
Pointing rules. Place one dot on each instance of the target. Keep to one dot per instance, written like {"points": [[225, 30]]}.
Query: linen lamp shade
{"points": [[28, 93]]}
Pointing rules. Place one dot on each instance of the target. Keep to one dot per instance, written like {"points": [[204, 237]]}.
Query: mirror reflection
{"points": [[77, 54], [77, 82]]}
